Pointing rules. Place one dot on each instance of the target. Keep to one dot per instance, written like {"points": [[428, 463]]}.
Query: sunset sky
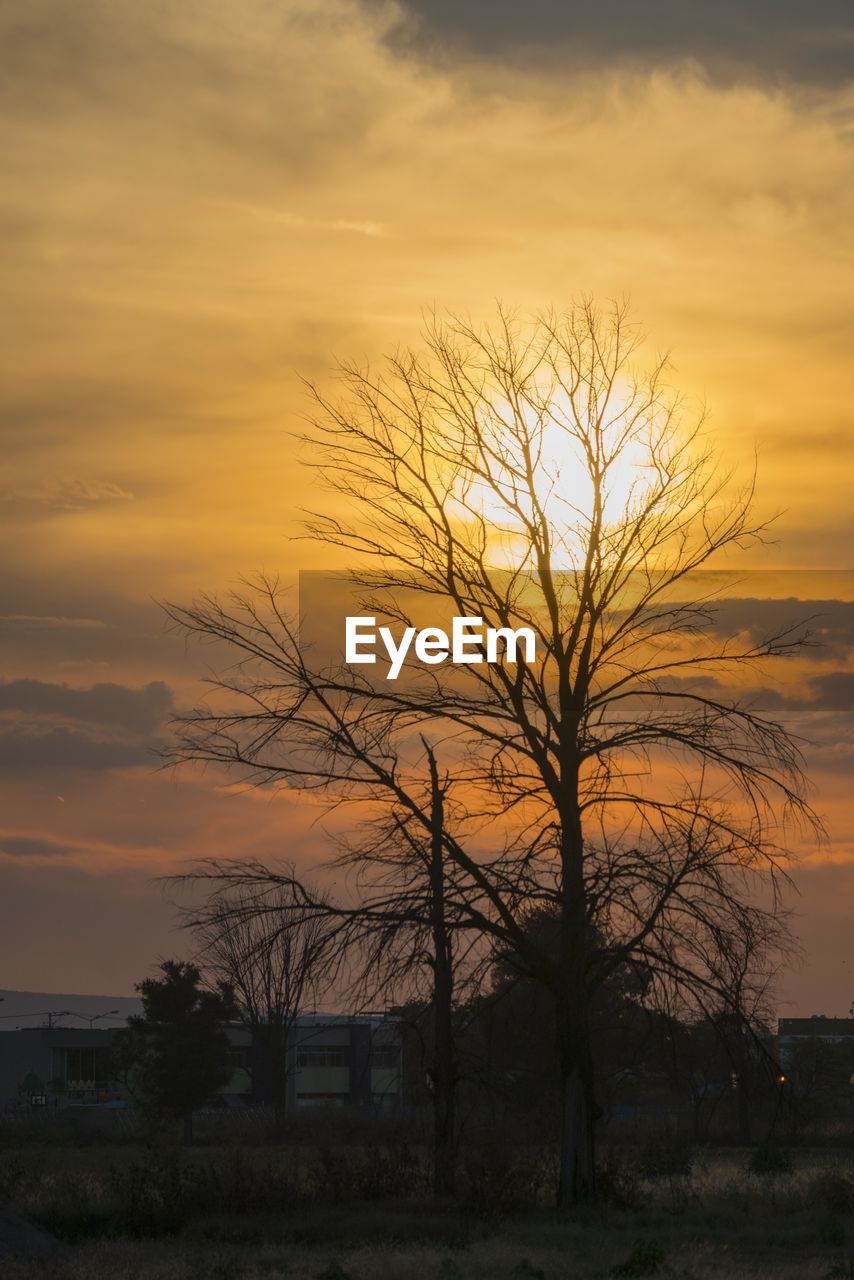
{"points": [[204, 201]]}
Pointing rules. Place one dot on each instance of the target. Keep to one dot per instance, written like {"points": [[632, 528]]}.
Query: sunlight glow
{"points": [[563, 481]]}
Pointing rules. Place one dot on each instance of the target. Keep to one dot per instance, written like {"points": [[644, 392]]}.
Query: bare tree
{"points": [[530, 477], [275, 957], [399, 939]]}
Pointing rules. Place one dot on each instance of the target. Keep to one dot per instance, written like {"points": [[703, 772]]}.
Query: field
{"points": [[361, 1210]]}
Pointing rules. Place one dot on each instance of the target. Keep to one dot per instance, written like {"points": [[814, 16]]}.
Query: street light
{"points": [[91, 1018], [111, 1013]]}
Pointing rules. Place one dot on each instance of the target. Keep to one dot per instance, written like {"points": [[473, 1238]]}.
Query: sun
{"points": [[536, 465]]}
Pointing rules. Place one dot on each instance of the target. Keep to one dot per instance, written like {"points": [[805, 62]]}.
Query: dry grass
{"points": [[502, 1257], [707, 1219]]}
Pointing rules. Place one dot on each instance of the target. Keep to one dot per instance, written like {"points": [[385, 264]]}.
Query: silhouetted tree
{"points": [[398, 942], [175, 1053], [637, 795], [276, 958]]}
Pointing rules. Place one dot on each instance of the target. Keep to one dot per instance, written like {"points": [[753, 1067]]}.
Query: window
{"points": [[86, 1068], [328, 1056], [385, 1056]]}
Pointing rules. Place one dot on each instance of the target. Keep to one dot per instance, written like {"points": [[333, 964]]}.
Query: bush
{"points": [[159, 1195], [668, 1157], [833, 1192], [618, 1182], [644, 1260], [525, 1270], [379, 1173], [497, 1181], [769, 1160]]}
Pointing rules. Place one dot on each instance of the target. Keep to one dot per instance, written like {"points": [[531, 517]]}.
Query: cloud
{"points": [[833, 691], [17, 844], [135, 710], [828, 625], [24, 751], [764, 39], [299, 223], [49, 726], [72, 626], [193, 210], [68, 495], [45, 622]]}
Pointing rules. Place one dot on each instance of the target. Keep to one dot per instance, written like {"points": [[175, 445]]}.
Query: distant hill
{"points": [[30, 1009]]}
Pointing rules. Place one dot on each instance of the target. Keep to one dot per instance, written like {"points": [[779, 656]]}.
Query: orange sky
{"points": [[203, 201]]}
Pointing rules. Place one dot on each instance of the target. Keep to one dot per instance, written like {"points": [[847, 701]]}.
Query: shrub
{"points": [[498, 1181], [525, 1270], [618, 1182], [333, 1272], [841, 1271], [644, 1260], [669, 1157], [769, 1160], [833, 1192]]}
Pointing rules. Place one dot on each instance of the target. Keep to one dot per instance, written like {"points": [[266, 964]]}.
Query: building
{"points": [[794, 1031], [53, 1066], [333, 1060]]}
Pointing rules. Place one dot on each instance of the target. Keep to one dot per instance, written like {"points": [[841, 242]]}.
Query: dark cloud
{"points": [[834, 759], [227, 85], [16, 844], [834, 691], [828, 625], [23, 750], [136, 710], [111, 725], [731, 39], [52, 620]]}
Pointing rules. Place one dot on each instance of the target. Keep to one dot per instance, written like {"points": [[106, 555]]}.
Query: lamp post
{"points": [[110, 1013], [94, 1017]]}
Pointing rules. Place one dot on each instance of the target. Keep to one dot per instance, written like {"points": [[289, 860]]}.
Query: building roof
{"points": [[36, 1008], [817, 1027]]}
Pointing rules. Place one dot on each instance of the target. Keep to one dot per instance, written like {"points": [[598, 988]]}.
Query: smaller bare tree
{"points": [[276, 957], [404, 937]]}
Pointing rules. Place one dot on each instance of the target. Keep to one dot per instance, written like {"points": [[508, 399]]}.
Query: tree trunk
{"points": [[444, 1071], [577, 1140], [741, 1064], [745, 1135], [577, 1178], [279, 1080], [577, 1175], [270, 1071], [444, 1139], [696, 1126]]}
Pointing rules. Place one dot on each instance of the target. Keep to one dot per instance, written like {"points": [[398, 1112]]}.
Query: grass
{"points": [[339, 1214], [572, 1255]]}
